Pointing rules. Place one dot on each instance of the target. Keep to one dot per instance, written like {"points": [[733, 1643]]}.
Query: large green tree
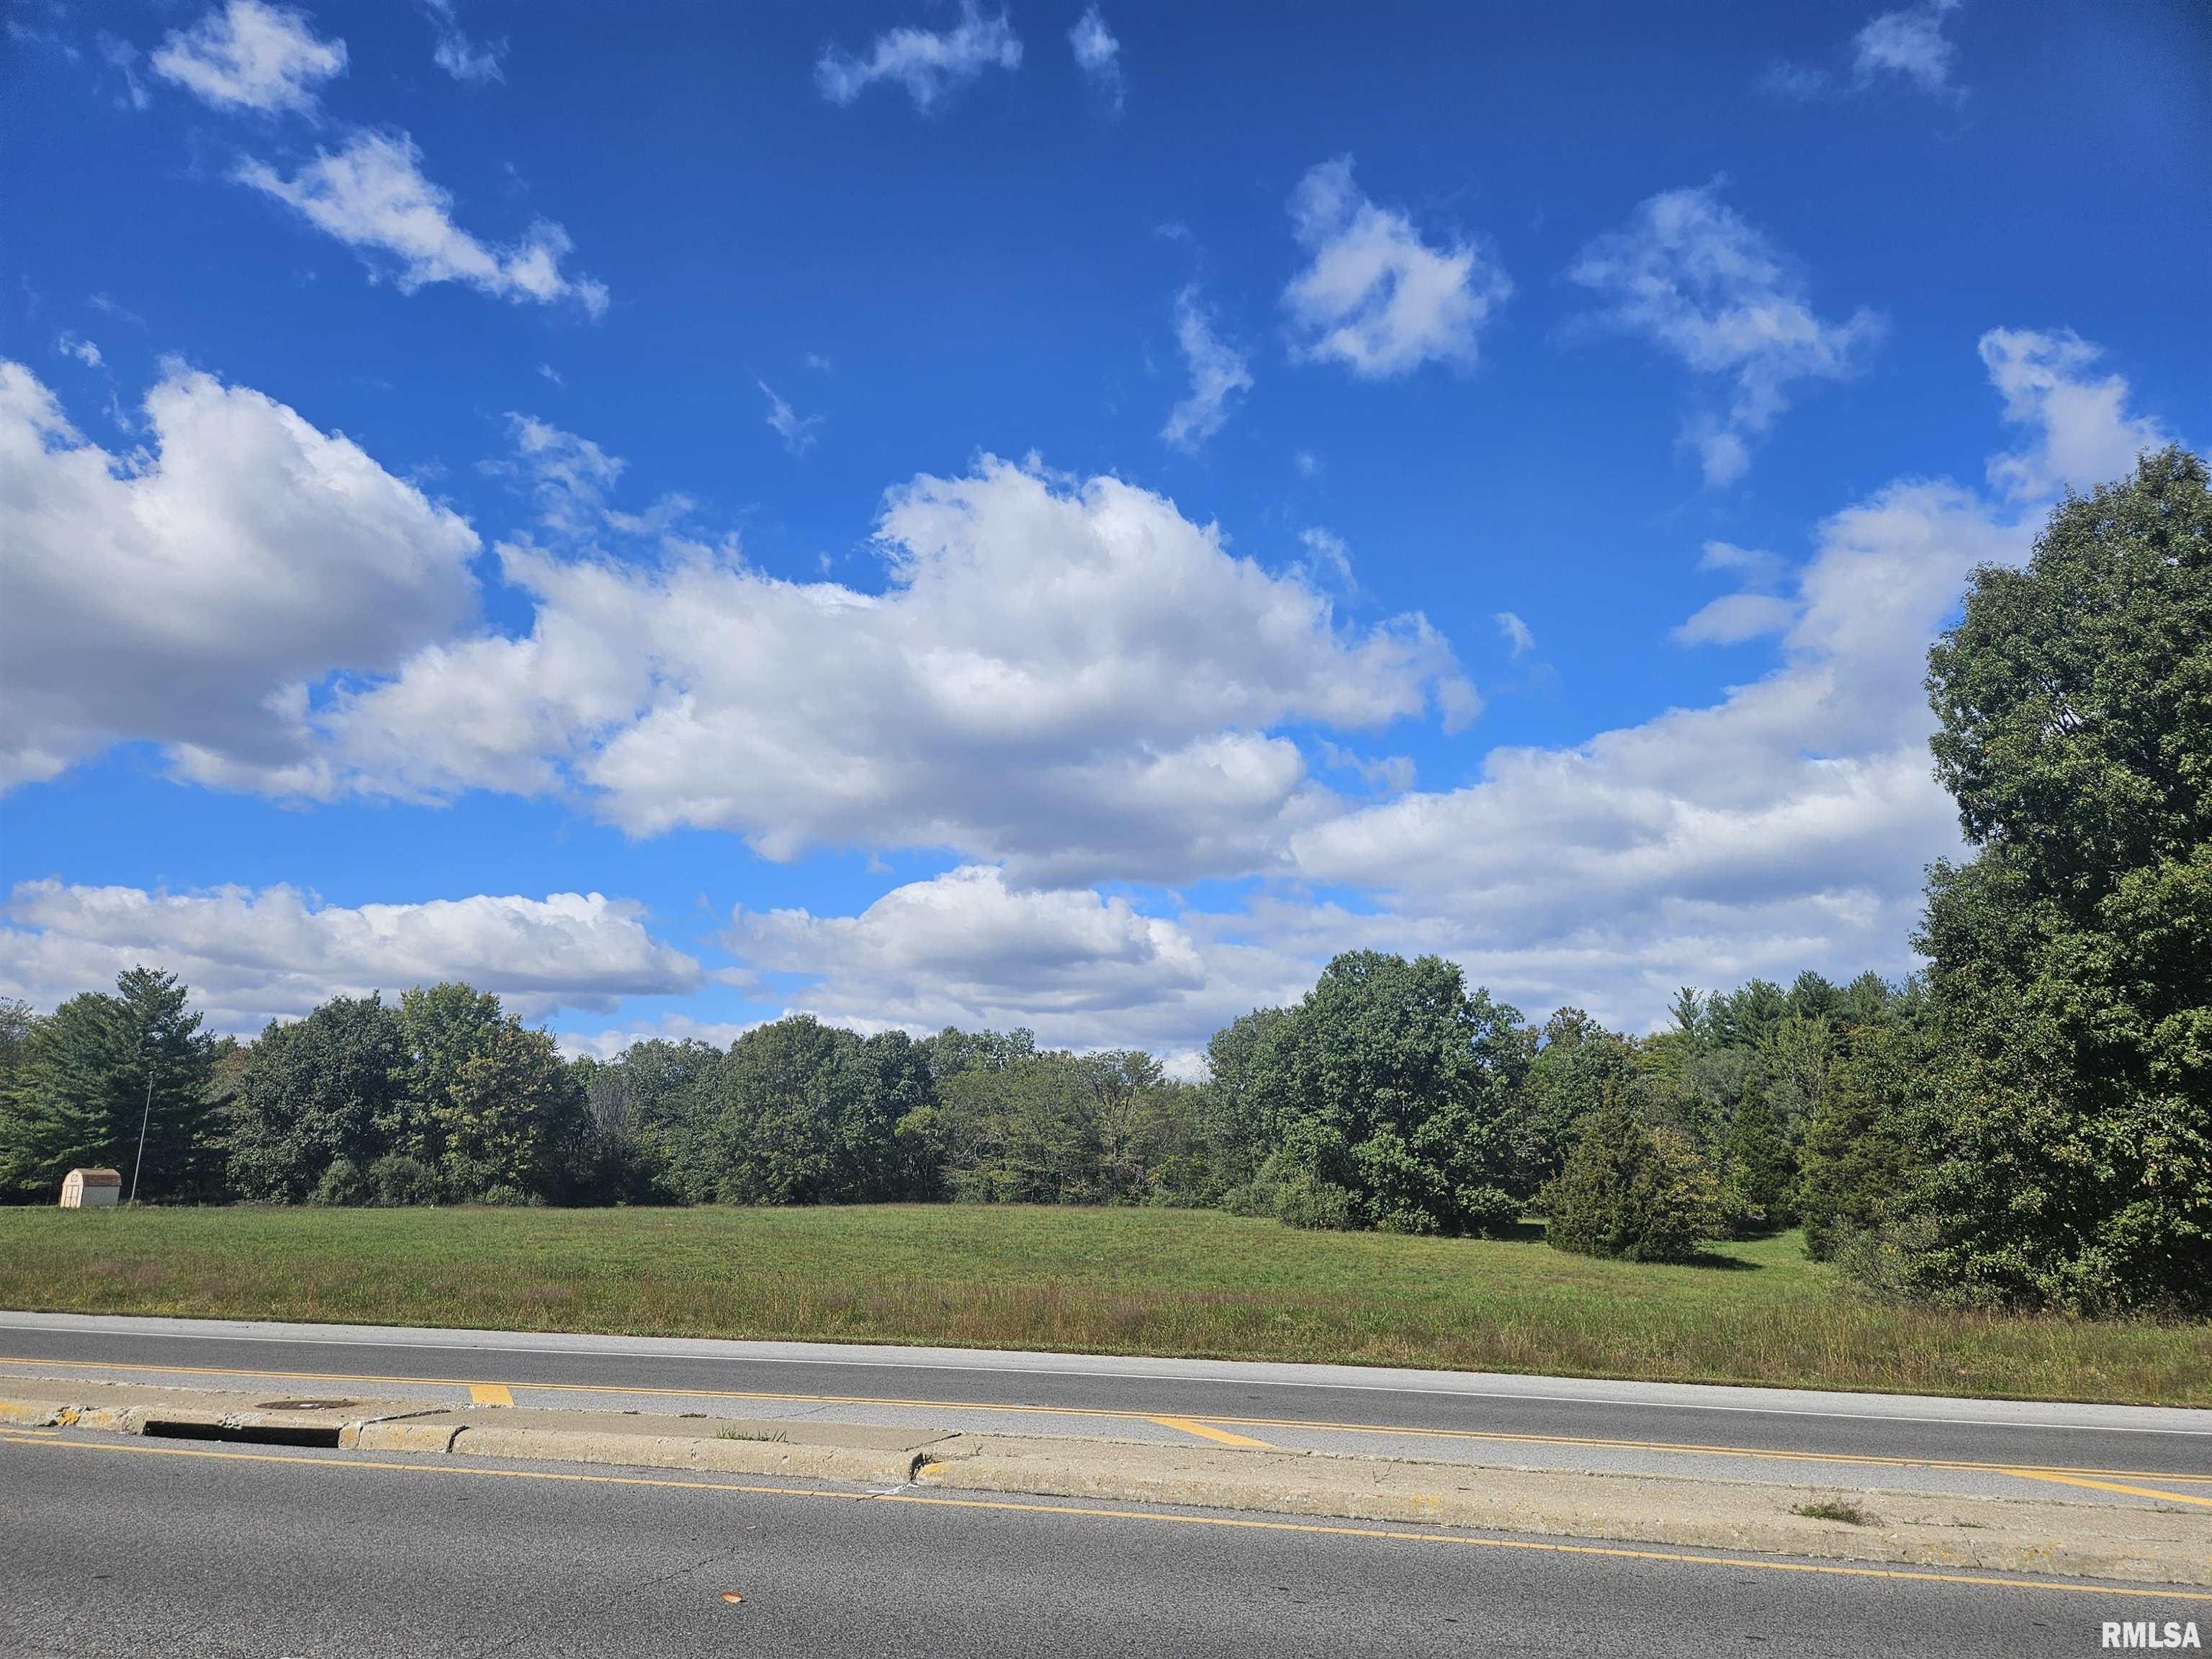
{"points": [[1393, 1092], [1577, 1066], [804, 1112], [97, 1069], [331, 1086], [2072, 955]]}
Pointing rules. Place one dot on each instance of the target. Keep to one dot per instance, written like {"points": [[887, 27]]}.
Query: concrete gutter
{"points": [[2166, 1537]]}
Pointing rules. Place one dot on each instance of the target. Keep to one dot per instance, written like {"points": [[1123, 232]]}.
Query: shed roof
{"points": [[99, 1177]]}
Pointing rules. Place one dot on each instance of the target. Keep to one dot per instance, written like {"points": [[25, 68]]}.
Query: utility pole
{"points": [[144, 1118]]}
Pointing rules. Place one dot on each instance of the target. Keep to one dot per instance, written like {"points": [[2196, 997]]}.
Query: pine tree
{"points": [[1756, 1166], [96, 1069]]}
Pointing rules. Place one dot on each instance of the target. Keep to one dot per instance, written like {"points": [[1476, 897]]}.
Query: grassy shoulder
{"points": [[1119, 1280]]}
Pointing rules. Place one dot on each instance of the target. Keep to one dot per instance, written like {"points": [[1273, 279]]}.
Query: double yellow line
{"points": [[51, 1440]]}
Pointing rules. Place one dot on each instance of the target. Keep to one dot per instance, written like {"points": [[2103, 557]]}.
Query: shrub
{"points": [[342, 1183], [1640, 1193], [396, 1179]]}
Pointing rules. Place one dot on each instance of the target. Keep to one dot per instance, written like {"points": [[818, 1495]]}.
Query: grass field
{"points": [[1132, 1281]]}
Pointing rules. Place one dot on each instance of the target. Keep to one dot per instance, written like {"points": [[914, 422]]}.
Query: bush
{"points": [[1305, 1200], [396, 1179], [342, 1183], [1640, 1193]]}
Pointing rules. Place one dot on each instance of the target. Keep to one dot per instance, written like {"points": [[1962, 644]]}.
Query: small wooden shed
{"points": [[90, 1189]]}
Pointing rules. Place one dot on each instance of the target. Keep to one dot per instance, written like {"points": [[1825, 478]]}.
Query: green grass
{"points": [[1131, 1281]]}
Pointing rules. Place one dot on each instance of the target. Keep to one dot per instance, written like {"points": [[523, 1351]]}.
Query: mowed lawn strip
{"points": [[1099, 1280]]}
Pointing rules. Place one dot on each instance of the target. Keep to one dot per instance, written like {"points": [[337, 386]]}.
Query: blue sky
{"points": [[925, 513]]}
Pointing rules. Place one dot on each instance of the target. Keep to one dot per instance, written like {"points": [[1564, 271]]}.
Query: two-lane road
{"points": [[113, 1545]]}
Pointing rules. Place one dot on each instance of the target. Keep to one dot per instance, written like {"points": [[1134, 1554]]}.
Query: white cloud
{"points": [[1331, 560], [371, 195], [187, 593], [251, 56], [1073, 677], [122, 57], [1516, 633], [1218, 376], [252, 957], [1688, 274], [463, 58], [1377, 297], [969, 948], [2082, 430], [1735, 617], [1389, 775], [797, 432], [1752, 565], [1786, 826], [1098, 55], [930, 65], [1910, 42], [76, 346], [666, 1027], [569, 476]]}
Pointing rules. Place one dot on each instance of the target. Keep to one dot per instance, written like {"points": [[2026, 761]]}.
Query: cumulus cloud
{"points": [[1690, 274], [1516, 633], [1218, 376], [76, 345], [370, 193], [1071, 677], [251, 56], [930, 64], [608, 1044], [1755, 609], [1786, 825], [463, 58], [969, 948], [1735, 617], [188, 593], [2079, 421], [1376, 296], [1098, 55], [250, 956]]}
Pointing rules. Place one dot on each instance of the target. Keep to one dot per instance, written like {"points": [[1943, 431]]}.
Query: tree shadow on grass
{"points": [[1714, 1260]]}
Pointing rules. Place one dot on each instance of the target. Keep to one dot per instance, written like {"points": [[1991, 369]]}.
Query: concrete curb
{"points": [[654, 1451], [2027, 1535], [2168, 1545]]}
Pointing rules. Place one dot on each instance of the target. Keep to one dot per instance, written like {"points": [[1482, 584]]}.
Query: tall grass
{"points": [[1141, 1281]]}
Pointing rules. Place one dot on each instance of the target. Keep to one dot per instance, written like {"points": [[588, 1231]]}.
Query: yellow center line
{"points": [[1192, 1426], [1494, 1437], [51, 1441], [489, 1394], [2107, 1485]]}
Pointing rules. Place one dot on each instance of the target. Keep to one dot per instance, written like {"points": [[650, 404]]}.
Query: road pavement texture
{"points": [[112, 1544]]}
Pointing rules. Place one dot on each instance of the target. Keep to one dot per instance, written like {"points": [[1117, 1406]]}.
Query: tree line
{"points": [[2028, 1123], [1392, 1096]]}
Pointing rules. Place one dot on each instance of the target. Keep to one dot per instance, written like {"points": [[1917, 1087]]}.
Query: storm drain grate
{"points": [[251, 1434]]}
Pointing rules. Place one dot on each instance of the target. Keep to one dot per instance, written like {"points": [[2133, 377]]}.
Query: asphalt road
{"points": [[1927, 1443], [110, 1545]]}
